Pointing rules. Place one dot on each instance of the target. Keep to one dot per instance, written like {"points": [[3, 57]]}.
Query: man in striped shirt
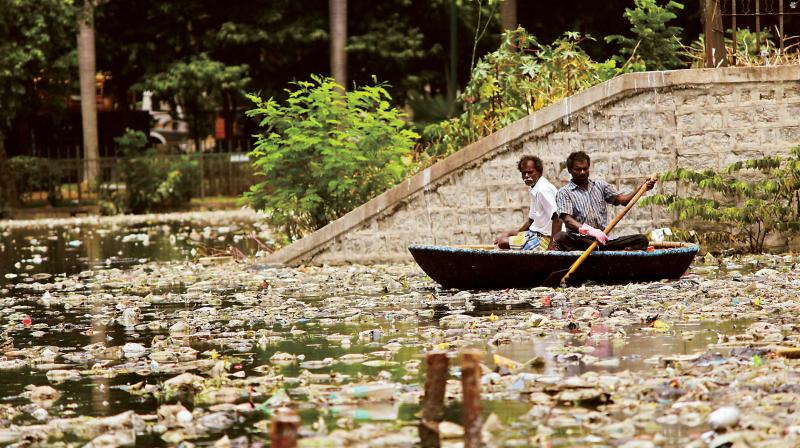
{"points": [[582, 207]]}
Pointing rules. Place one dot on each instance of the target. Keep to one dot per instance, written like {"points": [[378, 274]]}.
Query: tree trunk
{"points": [[714, 36], [227, 116], [338, 19], [508, 14], [8, 193], [87, 72]]}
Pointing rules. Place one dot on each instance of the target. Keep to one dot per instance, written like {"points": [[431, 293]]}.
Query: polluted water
{"points": [[204, 350]]}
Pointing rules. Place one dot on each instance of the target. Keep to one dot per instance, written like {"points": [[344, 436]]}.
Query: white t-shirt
{"points": [[543, 205]]}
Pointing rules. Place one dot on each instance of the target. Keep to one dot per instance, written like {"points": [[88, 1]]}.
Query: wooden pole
{"points": [[780, 24], [285, 425], [714, 35], [758, 28], [471, 391], [733, 26], [433, 401]]}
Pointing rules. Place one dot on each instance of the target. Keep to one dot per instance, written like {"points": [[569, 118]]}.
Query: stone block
{"points": [[497, 198], [719, 139], [738, 117], [721, 95], [692, 143], [688, 121], [791, 91], [495, 174], [627, 122], [791, 112], [698, 161], [747, 138], [664, 99], [766, 113], [689, 97], [476, 198], [789, 135]]}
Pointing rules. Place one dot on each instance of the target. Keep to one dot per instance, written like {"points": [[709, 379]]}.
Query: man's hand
{"points": [[650, 183], [597, 234]]}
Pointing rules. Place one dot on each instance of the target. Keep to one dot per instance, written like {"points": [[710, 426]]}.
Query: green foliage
{"points": [[324, 152], [36, 54], [750, 205], [521, 77], [152, 182], [197, 86], [654, 43], [35, 174], [36, 58], [131, 142]]}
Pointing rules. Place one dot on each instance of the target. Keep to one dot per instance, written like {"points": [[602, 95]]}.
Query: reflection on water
{"points": [[71, 250]]}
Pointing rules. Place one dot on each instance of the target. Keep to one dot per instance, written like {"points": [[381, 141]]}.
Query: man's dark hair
{"points": [[537, 163], [576, 156]]}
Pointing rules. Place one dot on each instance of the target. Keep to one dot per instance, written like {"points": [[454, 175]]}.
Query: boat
{"points": [[486, 267]]}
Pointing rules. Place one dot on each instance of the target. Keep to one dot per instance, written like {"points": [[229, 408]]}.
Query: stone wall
{"points": [[631, 126]]}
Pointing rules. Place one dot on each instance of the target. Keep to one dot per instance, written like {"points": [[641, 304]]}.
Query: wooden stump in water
{"points": [[433, 401], [471, 391]]}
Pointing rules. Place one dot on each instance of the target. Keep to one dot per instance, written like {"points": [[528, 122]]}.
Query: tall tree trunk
{"points": [[508, 14], [338, 19], [8, 190], [714, 36], [87, 71], [452, 78], [227, 117]]}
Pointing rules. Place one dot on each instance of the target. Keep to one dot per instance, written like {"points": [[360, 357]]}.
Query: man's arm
{"points": [[623, 199], [526, 225], [556, 227], [570, 222]]}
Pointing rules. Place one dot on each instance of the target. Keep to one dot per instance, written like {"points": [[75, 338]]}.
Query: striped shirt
{"points": [[586, 206]]}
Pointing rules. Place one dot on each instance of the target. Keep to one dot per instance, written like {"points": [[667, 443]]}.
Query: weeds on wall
{"points": [[521, 77], [751, 199], [769, 51]]}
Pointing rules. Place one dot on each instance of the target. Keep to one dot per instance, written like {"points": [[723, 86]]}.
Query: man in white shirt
{"points": [[542, 221]]}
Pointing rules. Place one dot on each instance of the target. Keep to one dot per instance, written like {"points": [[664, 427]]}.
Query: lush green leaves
{"points": [[750, 205], [152, 181], [324, 152], [654, 43], [521, 77], [196, 86]]}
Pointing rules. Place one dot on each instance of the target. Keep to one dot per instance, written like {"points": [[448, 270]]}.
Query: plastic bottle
{"points": [[373, 391]]}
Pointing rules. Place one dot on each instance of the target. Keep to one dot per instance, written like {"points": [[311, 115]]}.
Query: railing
{"points": [[38, 180]]}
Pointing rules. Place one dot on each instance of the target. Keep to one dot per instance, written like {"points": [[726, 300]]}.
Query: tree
{"points": [[519, 78], [36, 59], [338, 13], [654, 43], [198, 86], [325, 152], [750, 198], [87, 73], [508, 14]]}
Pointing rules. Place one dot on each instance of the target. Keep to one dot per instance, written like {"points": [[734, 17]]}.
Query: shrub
{"points": [[35, 174], [152, 181], [654, 43], [766, 201], [521, 77], [324, 152]]}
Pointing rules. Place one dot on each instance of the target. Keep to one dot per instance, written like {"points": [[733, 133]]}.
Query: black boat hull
{"points": [[466, 268]]}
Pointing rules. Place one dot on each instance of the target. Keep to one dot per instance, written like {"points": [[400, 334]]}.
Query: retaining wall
{"points": [[631, 126]]}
